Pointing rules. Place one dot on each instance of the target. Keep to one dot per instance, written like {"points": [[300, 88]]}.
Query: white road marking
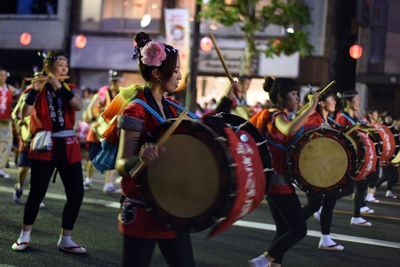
{"points": [[241, 223], [349, 238]]}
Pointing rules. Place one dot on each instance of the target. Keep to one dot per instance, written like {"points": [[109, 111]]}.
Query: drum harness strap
{"points": [[348, 118], [280, 146], [334, 122], [157, 116]]}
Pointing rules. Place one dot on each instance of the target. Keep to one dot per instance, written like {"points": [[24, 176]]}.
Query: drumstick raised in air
{"points": [[139, 168], [321, 92], [44, 78], [221, 58]]}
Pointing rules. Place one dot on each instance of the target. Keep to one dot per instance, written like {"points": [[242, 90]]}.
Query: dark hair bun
{"points": [[348, 94], [142, 39], [268, 84]]}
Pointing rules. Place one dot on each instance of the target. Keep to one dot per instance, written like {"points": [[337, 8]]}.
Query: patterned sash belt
{"points": [[64, 133]]}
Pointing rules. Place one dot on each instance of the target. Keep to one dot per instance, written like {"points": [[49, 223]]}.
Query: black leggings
{"points": [[71, 176], [359, 196], [290, 224], [389, 174], [328, 203], [137, 252]]}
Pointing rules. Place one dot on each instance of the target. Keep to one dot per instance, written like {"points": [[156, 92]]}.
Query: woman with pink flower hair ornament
{"points": [[159, 67]]}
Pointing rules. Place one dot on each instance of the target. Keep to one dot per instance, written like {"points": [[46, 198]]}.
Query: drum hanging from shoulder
{"points": [[254, 166], [238, 123], [367, 157], [386, 142], [191, 185], [322, 161], [197, 182]]}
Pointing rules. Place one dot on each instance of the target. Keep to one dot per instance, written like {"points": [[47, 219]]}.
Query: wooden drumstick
{"points": [[221, 58], [321, 92], [141, 165]]}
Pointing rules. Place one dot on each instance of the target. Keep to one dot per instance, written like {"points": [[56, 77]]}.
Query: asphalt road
{"points": [[378, 245]]}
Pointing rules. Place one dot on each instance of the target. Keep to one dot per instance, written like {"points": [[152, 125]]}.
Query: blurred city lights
{"points": [[355, 51], [145, 21], [213, 27], [290, 30], [25, 38], [80, 41], [206, 44]]}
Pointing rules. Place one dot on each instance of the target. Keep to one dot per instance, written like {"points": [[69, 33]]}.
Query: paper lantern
{"points": [[206, 44], [80, 41], [355, 51], [25, 38]]}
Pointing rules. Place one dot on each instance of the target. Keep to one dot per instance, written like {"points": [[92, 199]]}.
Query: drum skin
{"points": [[24, 130], [191, 185], [322, 161]]}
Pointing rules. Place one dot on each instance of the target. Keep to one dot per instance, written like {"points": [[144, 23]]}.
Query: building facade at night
{"points": [[98, 36]]}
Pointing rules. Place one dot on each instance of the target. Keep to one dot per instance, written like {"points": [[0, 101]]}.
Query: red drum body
{"points": [[386, 142], [197, 182], [396, 156], [322, 161], [250, 174], [367, 157]]}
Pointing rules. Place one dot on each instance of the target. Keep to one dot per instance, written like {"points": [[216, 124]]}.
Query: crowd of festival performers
{"points": [[364, 149]]}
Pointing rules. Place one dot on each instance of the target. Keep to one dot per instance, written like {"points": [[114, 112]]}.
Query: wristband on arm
{"points": [[31, 97], [66, 94]]}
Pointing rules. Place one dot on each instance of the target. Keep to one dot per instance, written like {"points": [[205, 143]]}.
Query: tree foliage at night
{"points": [[288, 14]]}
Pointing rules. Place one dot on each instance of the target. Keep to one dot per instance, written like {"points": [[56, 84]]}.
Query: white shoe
{"points": [[118, 180], [110, 188], [335, 246], [20, 246], [390, 194], [87, 184], [371, 198], [260, 261], [42, 205], [366, 210], [17, 196], [359, 221], [317, 216], [4, 174], [71, 248], [329, 244]]}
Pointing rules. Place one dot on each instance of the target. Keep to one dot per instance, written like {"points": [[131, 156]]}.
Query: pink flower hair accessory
{"points": [[153, 54]]}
